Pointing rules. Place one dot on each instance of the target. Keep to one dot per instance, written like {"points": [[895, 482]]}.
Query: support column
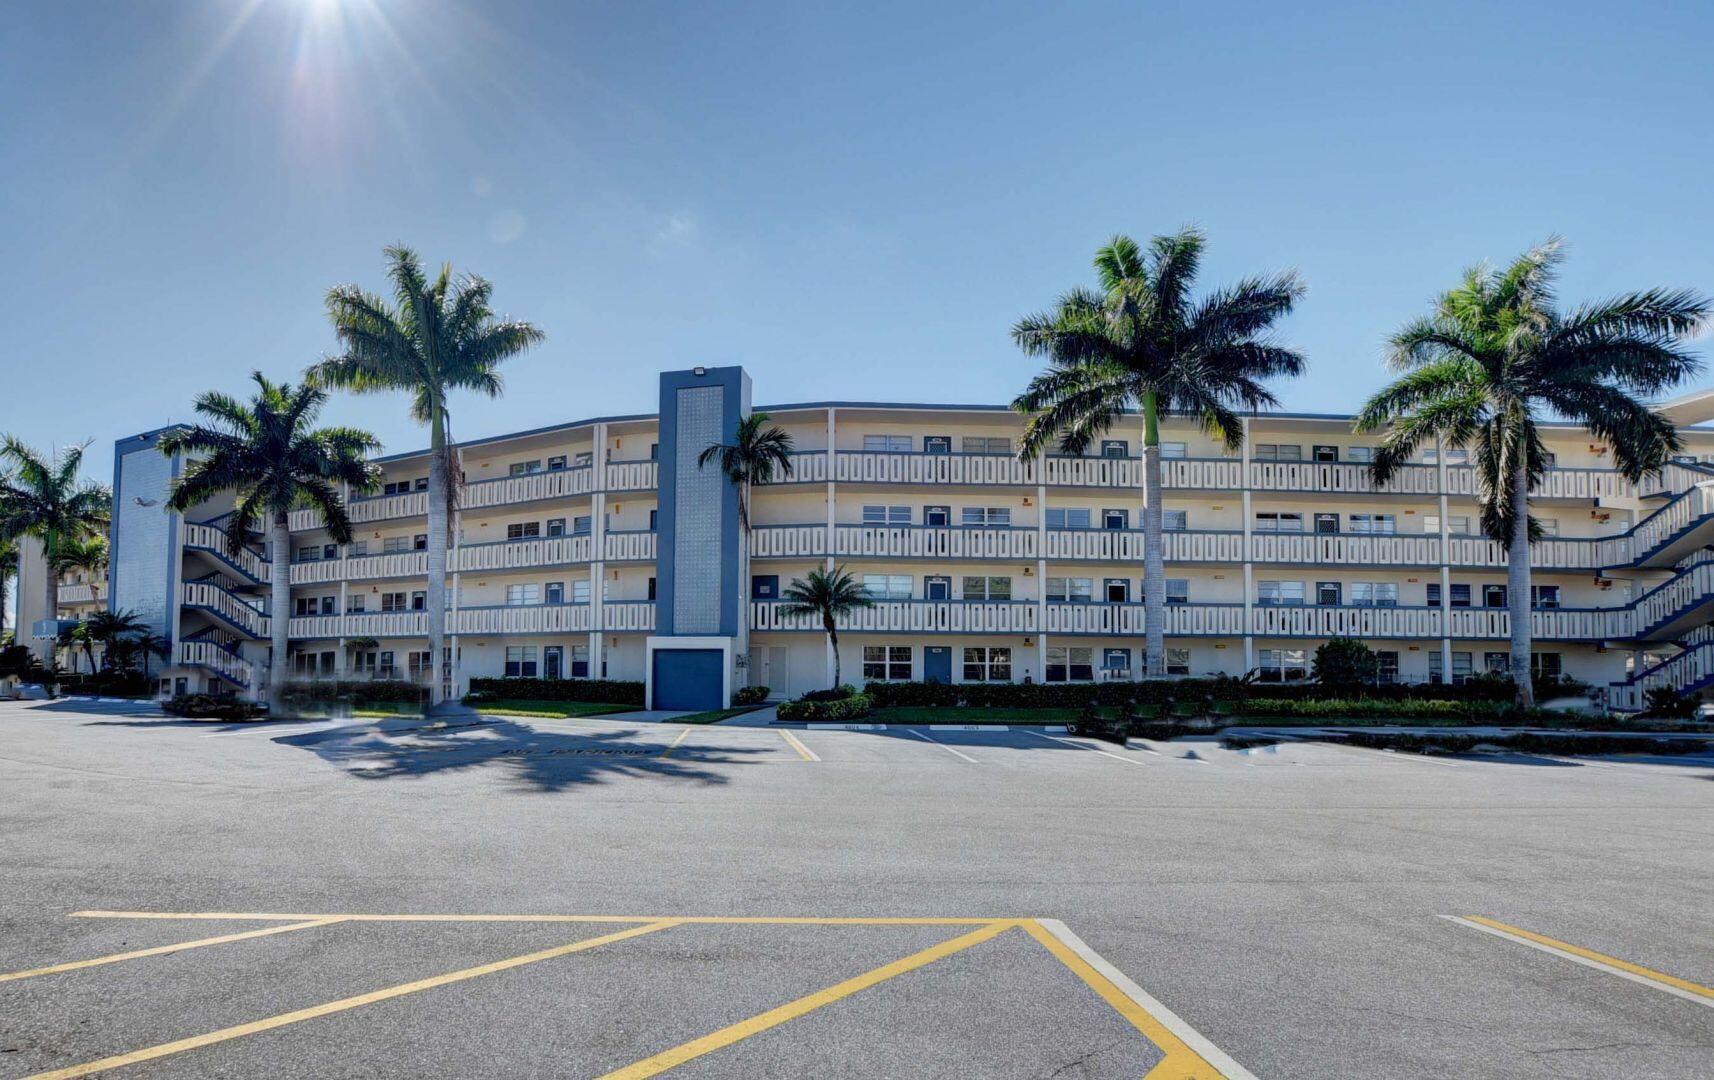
{"points": [[832, 524], [1041, 581], [1445, 565], [597, 544]]}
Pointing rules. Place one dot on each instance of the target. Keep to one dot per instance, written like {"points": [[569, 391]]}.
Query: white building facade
{"points": [[600, 549]]}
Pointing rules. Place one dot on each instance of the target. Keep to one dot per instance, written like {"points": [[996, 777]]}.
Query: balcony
{"points": [[210, 656], [212, 541], [915, 616], [618, 616], [521, 554], [87, 592], [227, 607], [620, 476]]}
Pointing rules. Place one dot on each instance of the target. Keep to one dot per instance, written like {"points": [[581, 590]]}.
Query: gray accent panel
{"points": [[697, 513], [140, 578]]}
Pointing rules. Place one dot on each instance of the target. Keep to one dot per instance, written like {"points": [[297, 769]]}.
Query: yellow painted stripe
{"points": [[802, 751], [1600, 958], [1180, 1062], [780, 920], [162, 950], [179, 1046], [669, 750], [726, 1036]]}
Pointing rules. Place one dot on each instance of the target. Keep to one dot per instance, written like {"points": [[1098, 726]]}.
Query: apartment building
{"points": [[599, 548], [78, 594]]}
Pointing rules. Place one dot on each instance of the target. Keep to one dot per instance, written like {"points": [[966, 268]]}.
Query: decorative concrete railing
{"points": [[81, 593], [250, 619], [209, 655], [631, 545], [618, 615], [528, 488], [925, 616], [521, 554], [1689, 670], [522, 619], [620, 476], [212, 540]]}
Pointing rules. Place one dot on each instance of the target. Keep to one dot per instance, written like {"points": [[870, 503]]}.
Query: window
{"points": [[977, 444], [523, 530], [1279, 592], [556, 592], [1460, 667], [1460, 595], [1387, 667], [580, 591], [1364, 454], [1327, 524], [556, 463], [653, 517], [1175, 520], [1544, 597], [937, 444], [395, 601], [1172, 449], [1178, 590], [1498, 662], [522, 468], [1456, 524], [891, 444], [1549, 458], [1549, 526], [521, 661], [1324, 453], [580, 661], [530, 593], [651, 595], [587, 457], [1116, 663], [419, 542], [1115, 519], [1270, 521], [420, 484], [1283, 665], [1070, 664], [556, 526], [1545, 664], [419, 599], [936, 588], [1117, 591], [1493, 596], [305, 605], [887, 663], [355, 603], [988, 664], [359, 547], [1374, 524], [1453, 457], [580, 524], [1329, 593], [937, 517], [888, 586], [1375, 593], [1277, 452], [1071, 590], [886, 515], [996, 515], [418, 663], [1067, 517], [309, 554], [1178, 661], [988, 588], [394, 545], [404, 487], [1115, 448]]}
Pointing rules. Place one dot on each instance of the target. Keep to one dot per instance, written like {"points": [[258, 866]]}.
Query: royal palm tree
{"points": [[1494, 356], [436, 337], [828, 595], [758, 453], [269, 456], [8, 571], [1144, 344], [44, 498]]}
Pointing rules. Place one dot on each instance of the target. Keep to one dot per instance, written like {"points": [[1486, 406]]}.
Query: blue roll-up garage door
{"points": [[688, 679]]}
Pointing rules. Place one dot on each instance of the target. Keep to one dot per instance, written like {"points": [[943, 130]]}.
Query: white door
{"points": [[779, 669]]}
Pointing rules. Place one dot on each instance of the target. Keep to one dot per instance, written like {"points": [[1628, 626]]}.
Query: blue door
{"points": [[937, 664], [688, 679]]}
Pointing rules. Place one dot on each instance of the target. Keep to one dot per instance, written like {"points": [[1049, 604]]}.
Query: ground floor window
{"points": [[419, 663], [988, 664], [520, 661], [1545, 664], [887, 663], [1178, 661], [1116, 663], [1461, 667], [1070, 664], [1497, 662], [580, 661], [1387, 668], [1283, 665]]}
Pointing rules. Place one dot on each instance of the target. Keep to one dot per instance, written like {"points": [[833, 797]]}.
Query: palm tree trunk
{"points": [[437, 540], [279, 609], [1518, 583], [833, 641], [50, 594], [744, 586], [1154, 560]]}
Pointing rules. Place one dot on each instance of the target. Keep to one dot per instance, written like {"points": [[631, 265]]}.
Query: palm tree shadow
{"points": [[531, 759]]}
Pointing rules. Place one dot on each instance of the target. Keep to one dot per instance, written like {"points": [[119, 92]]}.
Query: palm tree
{"points": [[435, 338], [1144, 344], [1494, 355], [44, 498], [8, 570], [109, 629], [88, 555], [828, 594], [269, 457], [149, 644], [757, 454], [78, 636]]}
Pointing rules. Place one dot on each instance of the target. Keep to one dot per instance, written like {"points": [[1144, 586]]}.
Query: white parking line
{"points": [[943, 746], [1080, 746]]}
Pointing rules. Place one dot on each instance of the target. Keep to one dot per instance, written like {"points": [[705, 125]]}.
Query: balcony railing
{"points": [[207, 654], [212, 540], [234, 611], [519, 554], [81, 593], [500, 491], [618, 615], [1689, 670]]}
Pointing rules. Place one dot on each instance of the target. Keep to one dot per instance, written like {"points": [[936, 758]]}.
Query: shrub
{"points": [[838, 693], [749, 695], [1344, 663], [209, 707], [1527, 742], [19, 661], [602, 691], [853, 707], [316, 693], [102, 683], [1665, 703]]}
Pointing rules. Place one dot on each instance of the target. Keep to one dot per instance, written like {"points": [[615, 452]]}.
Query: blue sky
{"points": [[852, 200]]}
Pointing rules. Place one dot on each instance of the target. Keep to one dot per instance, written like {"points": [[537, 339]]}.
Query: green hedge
{"points": [[1186, 693], [605, 691], [308, 693], [749, 695], [854, 707], [1526, 742], [209, 707], [116, 683]]}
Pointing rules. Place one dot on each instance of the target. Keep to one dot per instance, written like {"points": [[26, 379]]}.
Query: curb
{"points": [[812, 725]]}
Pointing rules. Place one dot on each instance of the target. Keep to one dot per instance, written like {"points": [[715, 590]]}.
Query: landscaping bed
{"points": [[545, 708], [1524, 742]]}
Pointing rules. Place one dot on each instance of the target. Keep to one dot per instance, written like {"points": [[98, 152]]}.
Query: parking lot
{"points": [[601, 898]]}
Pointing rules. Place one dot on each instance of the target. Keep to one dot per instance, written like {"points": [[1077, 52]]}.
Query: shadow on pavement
{"points": [[534, 759]]}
